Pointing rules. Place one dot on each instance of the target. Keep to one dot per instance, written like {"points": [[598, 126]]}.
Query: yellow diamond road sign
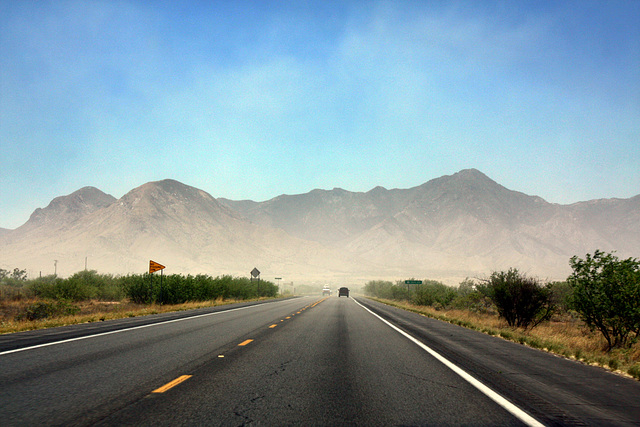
{"points": [[154, 266]]}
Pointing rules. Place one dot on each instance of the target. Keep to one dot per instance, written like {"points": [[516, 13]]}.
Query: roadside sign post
{"points": [[255, 273], [153, 267], [278, 279], [412, 282]]}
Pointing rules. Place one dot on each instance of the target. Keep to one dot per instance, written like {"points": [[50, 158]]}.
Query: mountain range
{"points": [[449, 228]]}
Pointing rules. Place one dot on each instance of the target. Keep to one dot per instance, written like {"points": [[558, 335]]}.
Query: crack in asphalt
{"points": [[280, 369]]}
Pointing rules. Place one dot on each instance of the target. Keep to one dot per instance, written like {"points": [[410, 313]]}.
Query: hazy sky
{"points": [[253, 99]]}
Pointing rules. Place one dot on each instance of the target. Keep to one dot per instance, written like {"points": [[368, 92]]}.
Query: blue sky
{"points": [[253, 99]]}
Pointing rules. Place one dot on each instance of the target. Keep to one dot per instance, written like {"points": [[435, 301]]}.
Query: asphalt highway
{"points": [[302, 361]]}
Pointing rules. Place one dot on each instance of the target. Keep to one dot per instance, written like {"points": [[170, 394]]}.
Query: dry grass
{"points": [[563, 336], [89, 311]]}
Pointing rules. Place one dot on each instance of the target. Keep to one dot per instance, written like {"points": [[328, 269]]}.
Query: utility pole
{"points": [[55, 267]]}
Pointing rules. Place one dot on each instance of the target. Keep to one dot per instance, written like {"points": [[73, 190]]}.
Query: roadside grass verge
{"points": [[13, 319], [88, 296], [565, 337]]}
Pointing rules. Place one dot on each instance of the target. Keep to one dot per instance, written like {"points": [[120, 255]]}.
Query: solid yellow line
{"points": [[172, 384], [244, 343], [273, 326]]}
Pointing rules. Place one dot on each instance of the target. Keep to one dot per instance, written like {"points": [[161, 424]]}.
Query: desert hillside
{"points": [[447, 228]]}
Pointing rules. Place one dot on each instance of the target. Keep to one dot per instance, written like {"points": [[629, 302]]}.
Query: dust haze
{"points": [[452, 227]]}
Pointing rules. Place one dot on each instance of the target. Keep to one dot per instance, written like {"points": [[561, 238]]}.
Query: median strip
{"points": [[172, 384]]}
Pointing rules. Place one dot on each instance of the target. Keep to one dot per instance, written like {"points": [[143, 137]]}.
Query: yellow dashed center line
{"points": [[243, 343], [318, 302], [172, 384], [289, 317]]}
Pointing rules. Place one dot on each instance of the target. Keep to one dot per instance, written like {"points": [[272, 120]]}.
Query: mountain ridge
{"points": [[450, 227]]}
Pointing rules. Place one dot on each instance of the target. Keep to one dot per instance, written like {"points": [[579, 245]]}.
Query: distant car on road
{"points": [[343, 291], [326, 290]]}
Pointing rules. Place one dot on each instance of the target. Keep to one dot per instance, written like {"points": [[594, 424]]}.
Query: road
{"points": [[301, 361]]}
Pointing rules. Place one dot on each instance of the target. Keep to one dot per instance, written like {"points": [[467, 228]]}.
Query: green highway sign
{"points": [[413, 282]]}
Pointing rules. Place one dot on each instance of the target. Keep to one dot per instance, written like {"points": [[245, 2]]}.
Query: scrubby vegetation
{"points": [[593, 316], [82, 286], [522, 301], [606, 294], [177, 289], [432, 293], [48, 297]]}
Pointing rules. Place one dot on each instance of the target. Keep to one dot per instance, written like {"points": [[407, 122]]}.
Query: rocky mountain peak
{"points": [[467, 180], [471, 193], [377, 190], [168, 191], [65, 210], [171, 199]]}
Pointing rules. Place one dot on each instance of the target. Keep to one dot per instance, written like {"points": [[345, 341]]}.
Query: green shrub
{"points": [[434, 293], [46, 287], [476, 302], [606, 292], [379, 289], [522, 301], [89, 284], [138, 288]]}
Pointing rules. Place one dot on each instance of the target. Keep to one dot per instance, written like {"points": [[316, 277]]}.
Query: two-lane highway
{"points": [[303, 361], [334, 364]]}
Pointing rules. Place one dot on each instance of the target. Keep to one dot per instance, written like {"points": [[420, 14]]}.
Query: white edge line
{"points": [[33, 347], [510, 407]]}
